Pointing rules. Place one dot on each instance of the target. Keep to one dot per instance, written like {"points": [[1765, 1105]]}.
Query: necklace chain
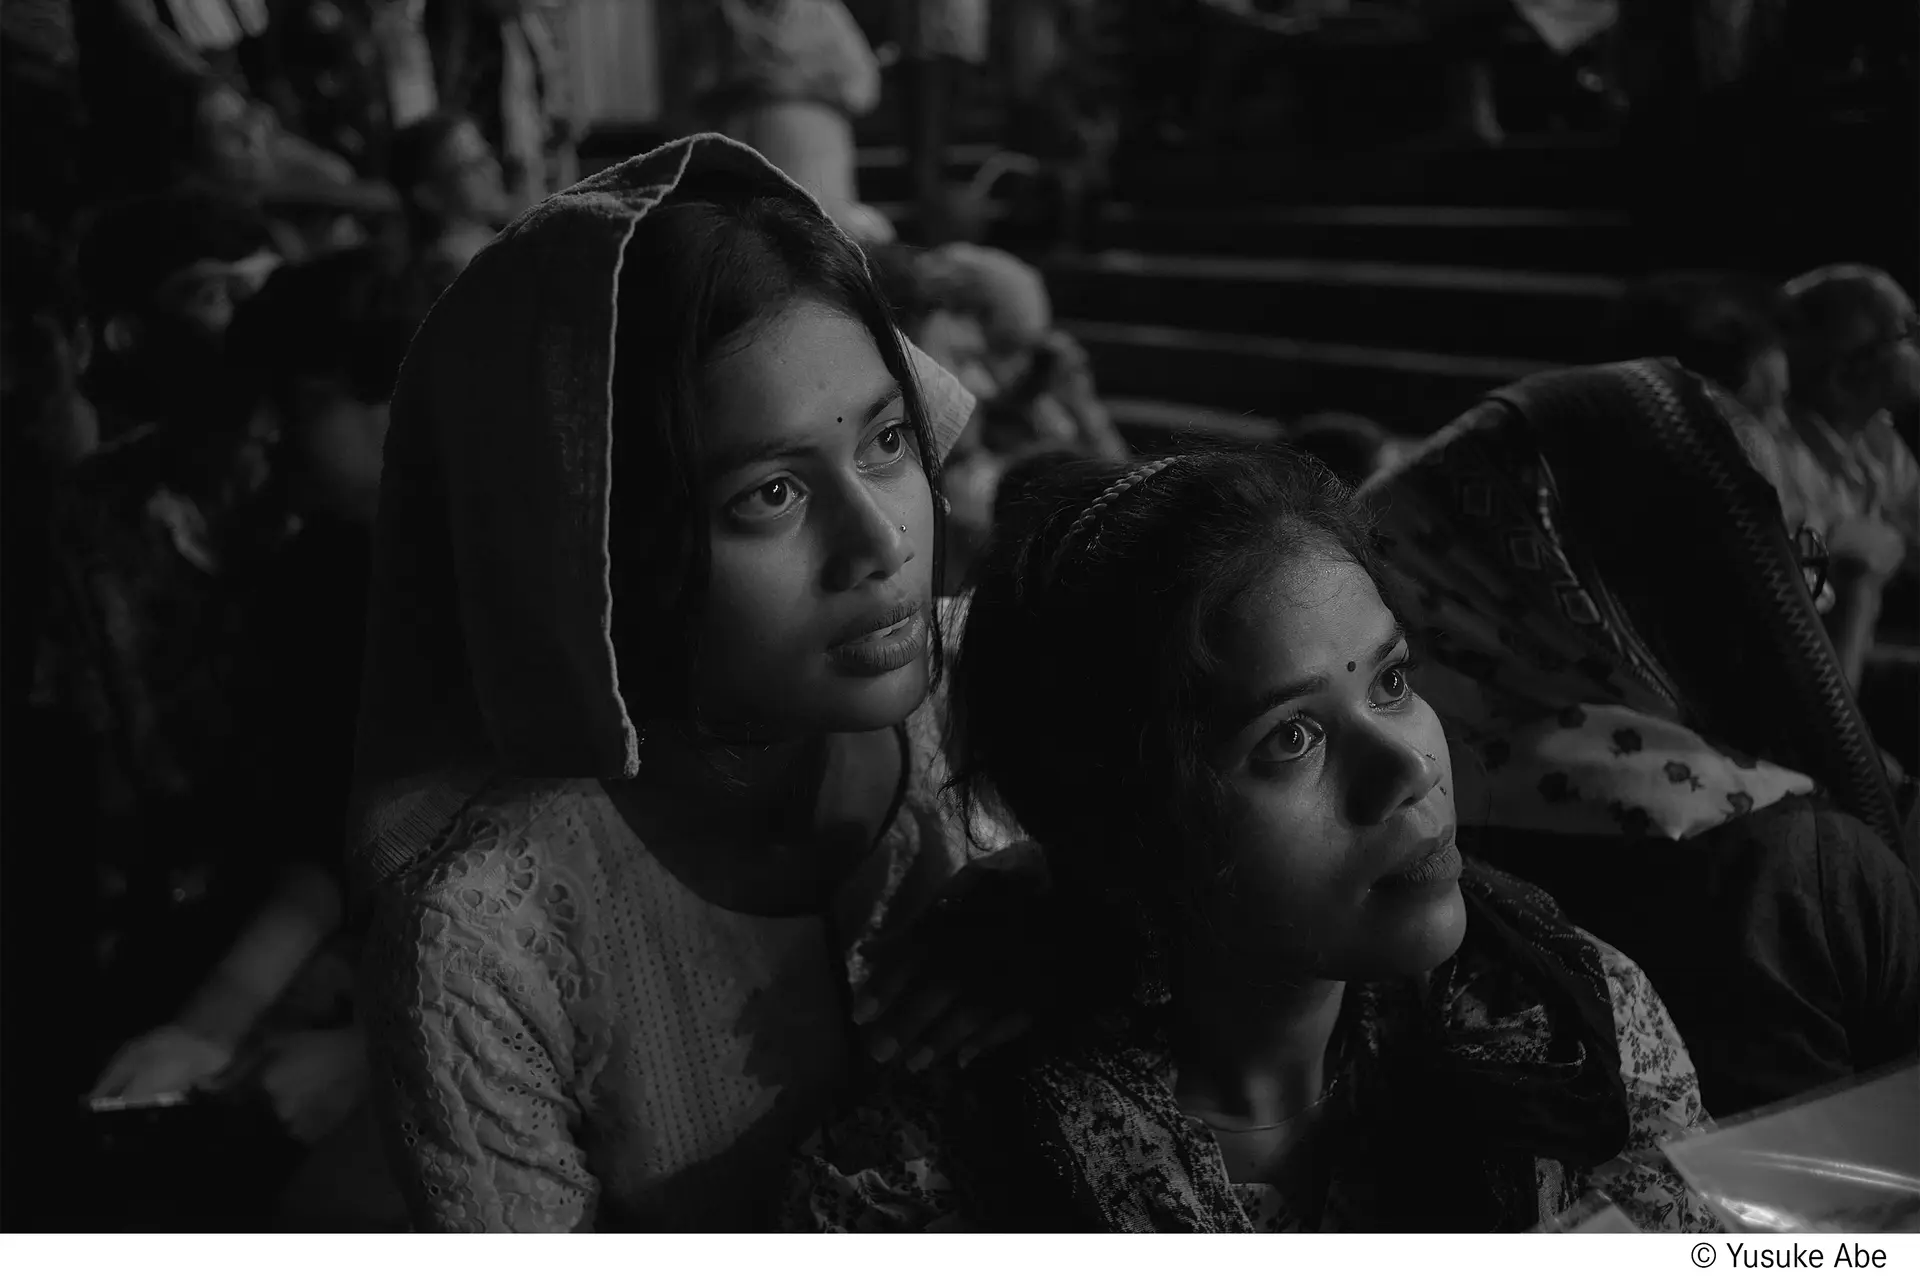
{"points": [[1303, 1112]]}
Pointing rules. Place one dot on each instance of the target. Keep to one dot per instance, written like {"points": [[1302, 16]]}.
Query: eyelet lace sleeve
{"points": [[472, 1052], [1663, 1102]]}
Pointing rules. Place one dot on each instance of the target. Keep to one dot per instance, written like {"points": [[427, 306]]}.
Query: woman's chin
{"points": [[1414, 936], [862, 703]]}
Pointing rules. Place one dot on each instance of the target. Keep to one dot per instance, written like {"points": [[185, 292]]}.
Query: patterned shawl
{"points": [[1571, 724], [1455, 1091]]}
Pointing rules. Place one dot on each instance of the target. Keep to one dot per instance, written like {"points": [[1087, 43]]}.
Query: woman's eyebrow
{"points": [[881, 401], [1283, 694], [726, 461]]}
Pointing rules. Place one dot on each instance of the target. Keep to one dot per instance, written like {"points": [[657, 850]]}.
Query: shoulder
{"points": [[1662, 1086], [505, 878], [1640, 1019], [1803, 857]]}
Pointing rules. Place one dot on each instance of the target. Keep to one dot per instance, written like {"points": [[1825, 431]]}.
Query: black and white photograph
{"points": [[981, 617]]}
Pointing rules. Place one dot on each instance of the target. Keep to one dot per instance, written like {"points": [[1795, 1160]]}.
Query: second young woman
{"points": [[1181, 678]]}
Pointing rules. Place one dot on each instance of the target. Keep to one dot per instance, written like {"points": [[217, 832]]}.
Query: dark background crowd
{"points": [[1336, 222]]}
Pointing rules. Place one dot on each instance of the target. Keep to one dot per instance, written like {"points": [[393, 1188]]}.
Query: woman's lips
{"points": [[895, 639], [1438, 867]]}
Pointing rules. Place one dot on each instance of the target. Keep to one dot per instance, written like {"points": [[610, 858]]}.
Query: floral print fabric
{"points": [[1571, 725], [910, 1159]]}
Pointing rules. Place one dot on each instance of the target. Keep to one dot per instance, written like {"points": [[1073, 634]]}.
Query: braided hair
{"points": [[1090, 646]]}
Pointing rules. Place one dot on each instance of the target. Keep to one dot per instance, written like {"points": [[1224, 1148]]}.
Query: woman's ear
{"points": [[120, 335]]}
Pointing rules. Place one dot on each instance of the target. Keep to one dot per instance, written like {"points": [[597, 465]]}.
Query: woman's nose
{"points": [[871, 542], [1393, 772]]}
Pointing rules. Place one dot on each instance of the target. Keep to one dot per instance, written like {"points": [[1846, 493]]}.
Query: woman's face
{"points": [[1339, 785], [822, 528]]}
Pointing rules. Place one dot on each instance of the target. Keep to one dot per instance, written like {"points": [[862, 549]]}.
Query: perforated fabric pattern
{"points": [[565, 1035]]}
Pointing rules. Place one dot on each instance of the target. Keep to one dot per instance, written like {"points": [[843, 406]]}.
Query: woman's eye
{"points": [[767, 501], [889, 443], [1289, 742], [1396, 683]]}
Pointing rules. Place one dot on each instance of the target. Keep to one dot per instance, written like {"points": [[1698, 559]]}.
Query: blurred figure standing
{"points": [[168, 94], [939, 41], [273, 1015], [347, 73], [454, 191], [148, 536], [40, 117], [1726, 328], [985, 316], [501, 63], [788, 78], [1836, 459]]}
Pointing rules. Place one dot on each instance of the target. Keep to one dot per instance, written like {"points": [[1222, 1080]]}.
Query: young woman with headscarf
{"points": [[646, 776]]}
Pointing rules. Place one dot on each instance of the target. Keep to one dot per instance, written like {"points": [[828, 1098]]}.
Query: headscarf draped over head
{"points": [[490, 648], [1532, 665]]}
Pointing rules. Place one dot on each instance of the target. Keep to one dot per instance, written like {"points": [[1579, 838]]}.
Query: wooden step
{"points": [[1410, 391], [1585, 171], [1584, 240], [1151, 423], [1473, 311]]}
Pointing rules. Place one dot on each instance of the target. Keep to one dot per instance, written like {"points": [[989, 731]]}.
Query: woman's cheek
{"points": [[753, 586]]}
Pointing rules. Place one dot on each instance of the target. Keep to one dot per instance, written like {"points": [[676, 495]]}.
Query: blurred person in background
{"points": [[500, 62], [347, 73], [939, 40], [46, 428], [454, 192], [1060, 115], [323, 342], [985, 316], [151, 536], [40, 114], [46, 346], [162, 275], [788, 78], [1471, 32], [1726, 328], [168, 93], [1835, 458]]}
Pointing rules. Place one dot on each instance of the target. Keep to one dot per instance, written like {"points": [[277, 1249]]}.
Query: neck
{"points": [[1252, 1053], [744, 787]]}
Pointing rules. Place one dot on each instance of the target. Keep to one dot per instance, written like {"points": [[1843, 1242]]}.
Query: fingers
{"points": [[138, 1070], [117, 1078], [907, 1020], [944, 1037], [895, 969], [999, 1034]]}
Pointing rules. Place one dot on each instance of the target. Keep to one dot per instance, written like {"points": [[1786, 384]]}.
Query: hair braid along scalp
{"points": [[1113, 493]]}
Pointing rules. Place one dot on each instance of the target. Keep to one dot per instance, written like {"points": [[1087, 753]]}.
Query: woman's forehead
{"points": [[809, 369], [1314, 609]]}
